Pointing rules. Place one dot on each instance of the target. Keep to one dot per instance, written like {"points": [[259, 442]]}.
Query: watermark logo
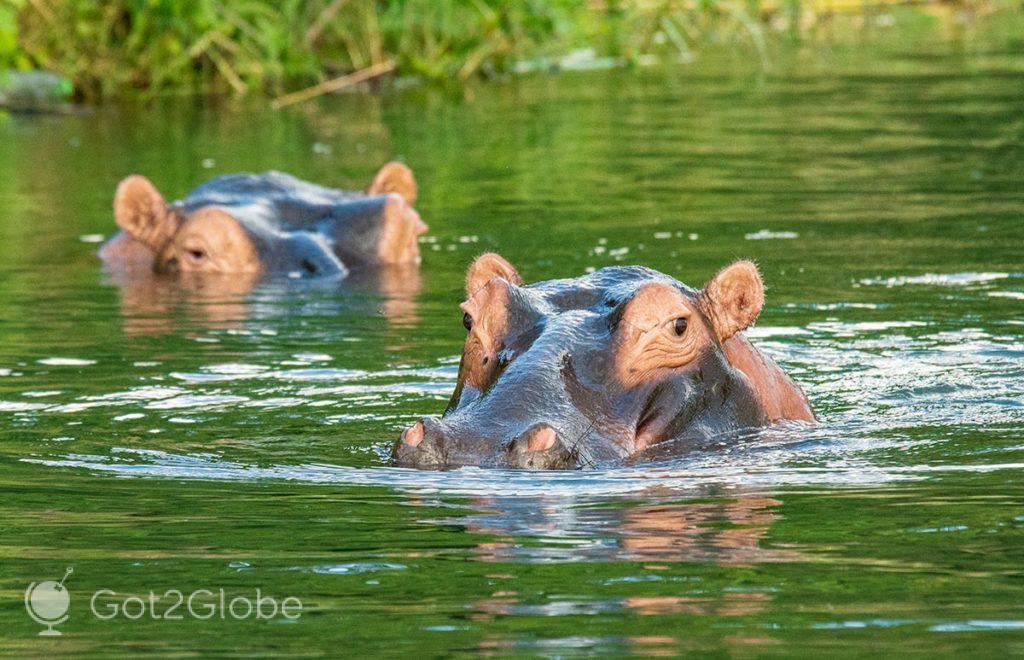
{"points": [[48, 602], [201, 604]]}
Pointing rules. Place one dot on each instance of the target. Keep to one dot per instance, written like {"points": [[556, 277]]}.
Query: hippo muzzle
{"points": [[427, 445]]}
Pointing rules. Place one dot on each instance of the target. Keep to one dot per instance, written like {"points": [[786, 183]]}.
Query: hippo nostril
{"points": [[423, 445], [426, 435], [542, 439], [413, 435], [539, 449]]}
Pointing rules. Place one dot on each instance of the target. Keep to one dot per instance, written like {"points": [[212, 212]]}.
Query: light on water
{"points": [[238, 436]]}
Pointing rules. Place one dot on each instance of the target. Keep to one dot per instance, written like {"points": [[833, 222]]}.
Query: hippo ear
{"points": [[142, 213], [487, 267], [734, 298], [394, 177]]}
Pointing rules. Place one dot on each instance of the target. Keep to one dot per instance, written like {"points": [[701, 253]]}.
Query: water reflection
{"points": [[153, 304], [552, 529], [627, 645], [149, 302], [648, 531]]}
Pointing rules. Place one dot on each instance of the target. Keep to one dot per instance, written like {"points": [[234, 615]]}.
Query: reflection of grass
{"points": [[112, 47]]}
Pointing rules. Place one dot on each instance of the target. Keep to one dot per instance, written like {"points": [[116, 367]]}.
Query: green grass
{"points": [[111, 48]]}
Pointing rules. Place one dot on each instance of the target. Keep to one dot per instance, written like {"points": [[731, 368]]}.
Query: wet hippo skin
{"points": [[257, 224], [620, 365]]}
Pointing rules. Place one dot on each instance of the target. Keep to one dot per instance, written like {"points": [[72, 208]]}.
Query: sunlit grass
{"points": [[121, 47]]}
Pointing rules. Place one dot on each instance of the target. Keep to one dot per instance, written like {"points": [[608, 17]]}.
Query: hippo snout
{"points": [[427, 444], [422, 445], [540, 448]]}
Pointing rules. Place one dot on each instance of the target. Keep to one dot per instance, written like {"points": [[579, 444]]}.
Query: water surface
{"points": [[236, 437]]}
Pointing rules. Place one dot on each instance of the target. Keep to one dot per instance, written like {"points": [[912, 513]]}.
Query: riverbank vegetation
{"points": [[113, 48]]}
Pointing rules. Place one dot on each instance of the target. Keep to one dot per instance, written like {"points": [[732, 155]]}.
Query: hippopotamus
{"points": [[261, 224], [621, 365]]}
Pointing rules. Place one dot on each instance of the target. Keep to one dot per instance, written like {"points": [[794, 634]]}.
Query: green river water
{"points": [[222, 438]]}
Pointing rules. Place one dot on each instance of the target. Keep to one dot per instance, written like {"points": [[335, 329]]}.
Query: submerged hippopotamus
{"points": [[267, 223], [625, 363]]}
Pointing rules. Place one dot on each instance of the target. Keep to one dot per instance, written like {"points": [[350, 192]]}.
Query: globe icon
{"points": [[47, 603]]}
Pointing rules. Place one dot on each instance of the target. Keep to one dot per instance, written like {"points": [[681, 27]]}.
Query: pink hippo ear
{"points": [[394, 177], [485, 268], [734, 298], [142, 213], [400, 229], [493, 301]]}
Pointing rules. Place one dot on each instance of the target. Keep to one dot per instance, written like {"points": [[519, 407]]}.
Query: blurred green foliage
{"points": [[117, 47]]}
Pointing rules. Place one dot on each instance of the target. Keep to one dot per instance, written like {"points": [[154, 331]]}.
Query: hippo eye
{"points": [[679, 326], [467, 321], [196, 254]]}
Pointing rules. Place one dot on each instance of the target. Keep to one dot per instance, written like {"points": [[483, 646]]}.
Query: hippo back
{"points": [[293, 202]]}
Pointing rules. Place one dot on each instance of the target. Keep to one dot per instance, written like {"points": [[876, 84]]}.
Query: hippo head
{"points": [[572, 373], [272, 222]]}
